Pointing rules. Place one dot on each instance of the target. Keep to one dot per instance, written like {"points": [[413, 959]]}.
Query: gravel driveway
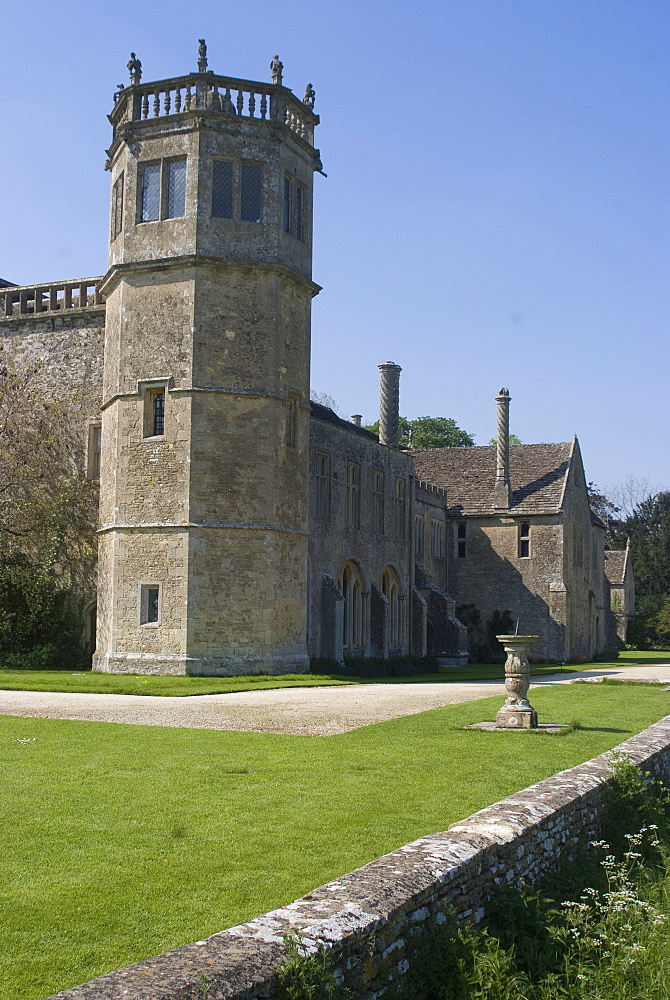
{"points": [[313, 711]]}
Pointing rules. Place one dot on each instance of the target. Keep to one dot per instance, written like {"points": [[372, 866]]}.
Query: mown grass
{"points": [[180, 687], [122, 841]]}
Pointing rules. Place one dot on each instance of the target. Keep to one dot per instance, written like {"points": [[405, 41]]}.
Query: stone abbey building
{"points": [[241, 528]]}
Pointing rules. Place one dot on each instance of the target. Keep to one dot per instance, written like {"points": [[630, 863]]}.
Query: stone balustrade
{"points": [[19, 301], [221, 94]]}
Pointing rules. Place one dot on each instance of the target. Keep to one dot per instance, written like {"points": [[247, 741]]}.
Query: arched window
{"points": [[352, 592], [390, 590]]}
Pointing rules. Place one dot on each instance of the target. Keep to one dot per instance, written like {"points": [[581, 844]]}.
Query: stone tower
{"points": [[203, 485]]}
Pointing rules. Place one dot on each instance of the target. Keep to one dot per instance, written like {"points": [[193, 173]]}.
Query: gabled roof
{"points": [[538, 473], [325, 413], [615, 566]]}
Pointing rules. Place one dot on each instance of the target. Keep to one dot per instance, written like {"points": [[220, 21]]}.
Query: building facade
{"points": [[241, 528]]}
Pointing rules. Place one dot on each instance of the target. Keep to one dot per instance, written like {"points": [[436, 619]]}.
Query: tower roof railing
{"points": [[229, 96]]}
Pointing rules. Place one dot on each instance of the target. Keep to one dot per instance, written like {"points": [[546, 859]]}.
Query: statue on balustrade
{"points": [[135, 69], [310, 96], [202, 56], [277, 68]]}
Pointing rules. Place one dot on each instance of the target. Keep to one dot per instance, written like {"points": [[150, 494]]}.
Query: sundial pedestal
{"points": [[517, 712]]}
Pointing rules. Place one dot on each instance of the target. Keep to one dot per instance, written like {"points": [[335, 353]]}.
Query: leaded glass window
{"points": [[159, 413], [151, 192], [250, 193], [299, 194], [176, 189], [222, 189], [287, 205]]}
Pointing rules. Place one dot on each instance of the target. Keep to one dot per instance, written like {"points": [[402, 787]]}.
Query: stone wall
{"points": [[365, 918]]}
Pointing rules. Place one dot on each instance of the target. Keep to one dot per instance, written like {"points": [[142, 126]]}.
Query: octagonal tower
{"points": [[203, 485]]}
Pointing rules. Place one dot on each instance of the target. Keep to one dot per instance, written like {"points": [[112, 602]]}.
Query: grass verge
{"points": [[123, 841]]}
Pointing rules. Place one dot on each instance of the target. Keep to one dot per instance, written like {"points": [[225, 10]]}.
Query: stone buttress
{"points": [[204, 465]]}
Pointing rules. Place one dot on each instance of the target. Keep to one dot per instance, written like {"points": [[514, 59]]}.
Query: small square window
{"points": [[150, 603]]}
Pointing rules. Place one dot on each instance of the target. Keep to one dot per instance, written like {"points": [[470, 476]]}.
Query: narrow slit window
{"points": [[117, 206], [149, 603], [524, 540], [322, 486], [287, 204], [353, 495], [176, 189], [299, 204], [250, 193], [222, 189], [378, 502], [151, 192], [418, 536], [94, 450], [399, 508], [158, 413], [461, 540]]}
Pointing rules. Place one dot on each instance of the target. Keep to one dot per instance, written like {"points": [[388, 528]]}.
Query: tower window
{"points": [[149, 603], [158, 405], [292, 419], [524, 540], [222, 189], [294, 208], [461, 539], [176, 189], [161, 190], [250, 193], [353, 495], [117, 207], [150, 189], [436, 539]]}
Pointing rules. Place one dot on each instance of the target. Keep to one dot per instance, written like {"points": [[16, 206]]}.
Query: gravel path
{"points": [[313, 711]]}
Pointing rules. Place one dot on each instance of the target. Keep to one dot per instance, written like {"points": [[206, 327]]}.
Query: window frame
{"points": [[146, 608], [118, 193], [353, 497], [322, 486], [523, 540], [151, 393], [377, 497], [400, 508], [164, 165], [461, 540], [94, 451]]}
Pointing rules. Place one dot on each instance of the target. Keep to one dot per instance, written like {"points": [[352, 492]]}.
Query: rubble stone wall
{"points": [[366, 918]]}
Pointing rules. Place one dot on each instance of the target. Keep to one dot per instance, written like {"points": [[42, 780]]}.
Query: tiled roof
{"points": [[615, 566], [537, 471]]}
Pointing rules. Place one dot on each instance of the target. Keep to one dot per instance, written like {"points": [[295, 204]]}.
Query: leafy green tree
{"points": [[48, 513], [648, 530], [513, 439], [429, 432]]}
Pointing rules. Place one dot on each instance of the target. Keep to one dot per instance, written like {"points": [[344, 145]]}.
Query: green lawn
{"points": [[66, 680], [122, 841]]}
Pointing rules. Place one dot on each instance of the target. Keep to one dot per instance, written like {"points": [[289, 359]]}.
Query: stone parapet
{"points": [[21, 301], [365, 918]]}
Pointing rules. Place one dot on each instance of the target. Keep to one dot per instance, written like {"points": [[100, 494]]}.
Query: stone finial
{"points": [[135, 69], [503, 487], [356, 419], [277, 68], [310, 96], [202, 55], [389, 403]]}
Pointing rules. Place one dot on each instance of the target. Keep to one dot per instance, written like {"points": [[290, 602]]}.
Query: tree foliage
{"points": [[47, 515], [429, 432], [648, 530]]}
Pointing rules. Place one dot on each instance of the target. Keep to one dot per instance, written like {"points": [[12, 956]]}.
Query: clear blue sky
{"points": [[496, 210]]}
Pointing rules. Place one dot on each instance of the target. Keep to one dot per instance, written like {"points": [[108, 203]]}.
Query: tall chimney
{"points": [[503, 488], [356, 418], [389, 403]]}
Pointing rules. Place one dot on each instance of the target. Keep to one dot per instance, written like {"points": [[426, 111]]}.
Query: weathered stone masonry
{"points": [[366, 918]]}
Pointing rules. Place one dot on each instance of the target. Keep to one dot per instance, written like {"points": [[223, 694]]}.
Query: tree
{"points": [[513, 440], [48, 513], [429, 432], [648, 529]]}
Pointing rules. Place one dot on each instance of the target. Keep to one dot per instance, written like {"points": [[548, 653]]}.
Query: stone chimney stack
{"points": [[503, 488], [356, 418], [389, 403]]}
